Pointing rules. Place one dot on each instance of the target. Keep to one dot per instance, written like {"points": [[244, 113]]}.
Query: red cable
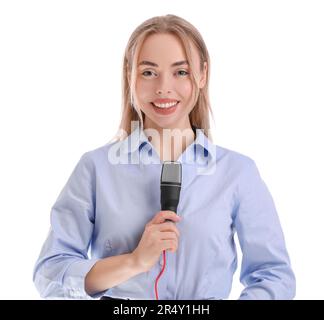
{"points": [[158, 277]]}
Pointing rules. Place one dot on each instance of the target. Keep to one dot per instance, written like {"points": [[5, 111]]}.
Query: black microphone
{"points": [[171, 177]]}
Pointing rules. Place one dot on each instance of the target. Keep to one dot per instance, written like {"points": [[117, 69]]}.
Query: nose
{"points": [[163, 84], [159, 92]]}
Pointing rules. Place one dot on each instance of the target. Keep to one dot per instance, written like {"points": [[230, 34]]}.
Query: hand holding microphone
{"points": [[161, 233]]}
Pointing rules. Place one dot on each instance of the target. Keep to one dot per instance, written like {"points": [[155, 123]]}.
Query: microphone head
{"points": [[171, 173], [171, 177]]}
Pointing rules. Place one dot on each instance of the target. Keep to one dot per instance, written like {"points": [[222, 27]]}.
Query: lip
{"points": [[159, 101], [165, 111]]}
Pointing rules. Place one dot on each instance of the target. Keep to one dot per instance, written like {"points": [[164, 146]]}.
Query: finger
{"points": [[168, 226], [169, 235], [162, 216], [169, 245]]}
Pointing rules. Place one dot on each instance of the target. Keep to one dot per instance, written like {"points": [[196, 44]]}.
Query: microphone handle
{"points": [[170, 197]]}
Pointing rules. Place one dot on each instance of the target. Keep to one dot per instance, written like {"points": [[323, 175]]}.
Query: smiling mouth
{"points": [[165, 105], [165, 109]]}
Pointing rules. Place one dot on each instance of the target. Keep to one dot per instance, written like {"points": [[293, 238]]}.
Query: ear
{"points": [[203, 77]]}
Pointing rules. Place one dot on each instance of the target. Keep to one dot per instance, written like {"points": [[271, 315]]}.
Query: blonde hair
{"points": [[187, 33]]}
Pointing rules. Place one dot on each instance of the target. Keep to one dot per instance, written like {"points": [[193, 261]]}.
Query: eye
{"points": [[147, 73], [182, 73]]}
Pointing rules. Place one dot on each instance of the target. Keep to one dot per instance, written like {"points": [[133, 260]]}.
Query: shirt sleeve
{"points": [[265, 271], [63, 261]]}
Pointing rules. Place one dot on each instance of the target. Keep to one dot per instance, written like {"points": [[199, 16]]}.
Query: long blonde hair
{"points": [[186, 32]]}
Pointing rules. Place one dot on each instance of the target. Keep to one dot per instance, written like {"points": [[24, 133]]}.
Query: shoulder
{"points": [[243, 171], [98, 156], [237, 168], [233, 159]]}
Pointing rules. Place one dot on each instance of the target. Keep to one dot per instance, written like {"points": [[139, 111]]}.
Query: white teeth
{"points": [[165, 105]]}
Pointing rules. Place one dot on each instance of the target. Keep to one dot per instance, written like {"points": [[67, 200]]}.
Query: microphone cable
{"points": [[158, 277]]}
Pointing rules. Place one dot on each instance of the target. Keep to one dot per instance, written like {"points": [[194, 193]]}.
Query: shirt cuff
{"points": [[255, 293], [74, 280]]}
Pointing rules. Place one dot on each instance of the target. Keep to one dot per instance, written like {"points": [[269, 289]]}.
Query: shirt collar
{"points": [[201, 148]]}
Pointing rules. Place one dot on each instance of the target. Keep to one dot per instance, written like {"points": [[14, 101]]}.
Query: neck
{"points": [[169, 142]]}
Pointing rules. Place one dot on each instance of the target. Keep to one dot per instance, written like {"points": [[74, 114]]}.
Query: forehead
{"points": [[164, 49]]}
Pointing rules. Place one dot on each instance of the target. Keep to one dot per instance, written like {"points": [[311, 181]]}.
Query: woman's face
{"points": [[163, 85]]}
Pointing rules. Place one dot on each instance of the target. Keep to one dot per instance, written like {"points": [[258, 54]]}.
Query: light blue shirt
{"points": [[106, 203]]}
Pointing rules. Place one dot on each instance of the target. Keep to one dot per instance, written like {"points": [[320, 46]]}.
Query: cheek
{"points": [[185, 89], [144, 89]]}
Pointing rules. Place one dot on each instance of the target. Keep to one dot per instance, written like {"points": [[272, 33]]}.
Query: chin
{"points": [[165, 123]]}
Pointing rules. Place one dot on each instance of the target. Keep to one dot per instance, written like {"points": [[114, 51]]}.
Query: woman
{"points": [[111, 202]]}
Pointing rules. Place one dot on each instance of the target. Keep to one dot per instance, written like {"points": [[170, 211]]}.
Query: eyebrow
{"points": [[152, 64]]}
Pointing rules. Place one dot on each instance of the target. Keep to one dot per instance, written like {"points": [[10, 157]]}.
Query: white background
{"points": [[60, 96]]}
